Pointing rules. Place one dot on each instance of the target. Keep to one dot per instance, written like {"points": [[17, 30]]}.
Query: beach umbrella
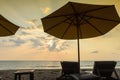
{"points": [[6, 27], [80, 21]]}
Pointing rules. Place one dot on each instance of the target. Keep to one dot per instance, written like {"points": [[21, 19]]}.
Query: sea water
{"points": [[7, 65]]}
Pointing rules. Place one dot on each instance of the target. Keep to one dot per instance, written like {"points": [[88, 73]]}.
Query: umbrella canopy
{"points": [[79, 21], [6, 27]]}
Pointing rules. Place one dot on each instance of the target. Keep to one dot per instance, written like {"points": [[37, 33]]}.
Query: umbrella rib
{"points": [[70, 19], [103, 18], [57, 16], [3, 19], [82, 22], [67, 29], [57, 24], [77, 19], [93, 26], [6, 20], [7, 29], [74, 10], [95, 9]]}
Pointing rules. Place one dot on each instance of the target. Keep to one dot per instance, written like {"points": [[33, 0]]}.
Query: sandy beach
{"points": [[39, 74], [44, 74]]}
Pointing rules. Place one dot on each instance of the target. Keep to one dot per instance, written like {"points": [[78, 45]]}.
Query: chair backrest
{"points": [[69, 67], [104, 68]]}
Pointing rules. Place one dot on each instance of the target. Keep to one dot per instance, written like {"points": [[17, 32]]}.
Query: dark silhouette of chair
{"points": [[70, 71], [69, 68], [105, 69]]}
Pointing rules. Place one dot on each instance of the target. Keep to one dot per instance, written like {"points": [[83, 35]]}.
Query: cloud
{"points": [[46, 10], [5, 43], [57, 45], [95, 52], [36, 42], [37, 38], [51, 45], [34, 23]]}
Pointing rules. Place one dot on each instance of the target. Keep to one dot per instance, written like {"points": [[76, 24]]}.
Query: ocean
{"points": [[8, 65]]}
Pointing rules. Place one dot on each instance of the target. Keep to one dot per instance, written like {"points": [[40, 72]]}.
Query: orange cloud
{"points": [[46, 10]]}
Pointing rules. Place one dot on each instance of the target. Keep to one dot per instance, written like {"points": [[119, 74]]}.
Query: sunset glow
{"points": [[32, 43]]}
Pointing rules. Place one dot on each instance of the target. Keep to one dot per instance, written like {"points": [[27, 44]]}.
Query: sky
{"points": [[31, 42]]}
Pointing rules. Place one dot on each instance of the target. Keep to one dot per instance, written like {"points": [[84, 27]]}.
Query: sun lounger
{"points": [[69, 68], [105, 69], [70, 72]]}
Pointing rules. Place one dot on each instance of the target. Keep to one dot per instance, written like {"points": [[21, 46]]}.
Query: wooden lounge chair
{"points": [[70, 71], [69, 68], [105, 69]]}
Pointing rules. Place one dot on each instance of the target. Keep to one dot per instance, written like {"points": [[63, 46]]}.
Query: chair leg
{"points": [[116, 75], [15, 77]]}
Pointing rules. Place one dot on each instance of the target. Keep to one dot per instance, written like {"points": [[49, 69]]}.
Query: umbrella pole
{"points": [[78, 26], [78, 55]]}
